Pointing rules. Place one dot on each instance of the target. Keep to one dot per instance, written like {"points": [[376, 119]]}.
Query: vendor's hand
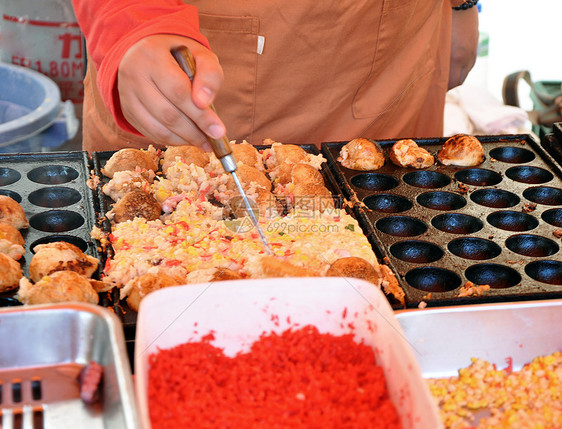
{"points": [[157, 97], [464, 45]]}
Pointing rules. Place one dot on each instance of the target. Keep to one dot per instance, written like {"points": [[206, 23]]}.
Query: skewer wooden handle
{"points": [[183, 56]]}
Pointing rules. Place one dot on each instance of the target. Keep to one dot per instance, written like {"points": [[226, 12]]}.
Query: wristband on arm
{"points": [[466, 5]]}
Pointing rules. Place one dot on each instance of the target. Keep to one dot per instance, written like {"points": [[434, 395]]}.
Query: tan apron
{"points": [[303, 71]]}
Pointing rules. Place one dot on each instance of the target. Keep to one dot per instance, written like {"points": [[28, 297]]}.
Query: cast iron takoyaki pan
{"points": [[495, 224], [99, 159], [52, 189]]}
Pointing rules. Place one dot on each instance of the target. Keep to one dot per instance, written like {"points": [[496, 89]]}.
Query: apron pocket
{"points": [[405, 55], [235, 41]]}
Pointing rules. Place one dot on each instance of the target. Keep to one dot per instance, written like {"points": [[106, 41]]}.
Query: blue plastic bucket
{"points": [[31, 111]]}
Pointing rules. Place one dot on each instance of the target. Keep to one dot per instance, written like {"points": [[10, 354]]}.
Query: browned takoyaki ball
{"points": [[60, 286], [11, 241], [280, 159], [60, 256], [11, 212], [304, 173], [247, 175], [354, 267], [10, 273], [361, 154], [187, 153], [129, 159], [462, 150], [407, 153], [136, 204], [147, 283], [247, 154]]}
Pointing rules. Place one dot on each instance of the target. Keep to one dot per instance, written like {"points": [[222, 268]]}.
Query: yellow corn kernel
{"points": [[161, 194]]}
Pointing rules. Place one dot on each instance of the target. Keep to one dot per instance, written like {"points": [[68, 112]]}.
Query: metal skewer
{"points": [[221, 147]]}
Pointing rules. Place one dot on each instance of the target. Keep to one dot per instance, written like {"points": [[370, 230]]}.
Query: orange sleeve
{"points": [[111, 27]]}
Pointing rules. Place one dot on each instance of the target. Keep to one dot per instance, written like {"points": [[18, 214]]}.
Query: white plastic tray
{"points": [[240, 311]]}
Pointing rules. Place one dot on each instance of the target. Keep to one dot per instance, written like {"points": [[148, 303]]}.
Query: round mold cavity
{"points": [[532, 245], [512, 154], [528, 174], [401, 226], [53, 174], [77, 241], [545, 272], [56, 221], [457, 223], [495, 275], [478, 177], [13, 195], [440, 200], [388, 203], [546, 195], [419, 252], [433, 279], [374, 181], [54, 197], [9, 176], [553, 217], [495, 198], [476, 249], [9, 302], [426, 179], [510, 220]]}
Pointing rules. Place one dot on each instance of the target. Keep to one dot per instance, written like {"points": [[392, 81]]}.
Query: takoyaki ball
{"points": [[60, 256], [279, 154], [462, 150], [407, 153], [147, 283], [11, 241], [304, 173], [10, 273], [264, 204], [136, 204], [361, 154], [355, 267], [127, 181], [273, 266], [268, 205], [60, 286], [129, 159], [248, 175], [289, 153], [11, 212], [206, 275], [247, 154], [187, 153], [282, 173], [390, 284], [222, 274], [311, 197]]}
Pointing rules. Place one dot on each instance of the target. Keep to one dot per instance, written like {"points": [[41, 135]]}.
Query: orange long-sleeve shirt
{"points": [[296, 71]]}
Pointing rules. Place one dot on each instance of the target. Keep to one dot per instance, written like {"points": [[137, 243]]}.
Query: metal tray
{"points": [[445, 339], [43, 349], [441, 227], [52, 190]]}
